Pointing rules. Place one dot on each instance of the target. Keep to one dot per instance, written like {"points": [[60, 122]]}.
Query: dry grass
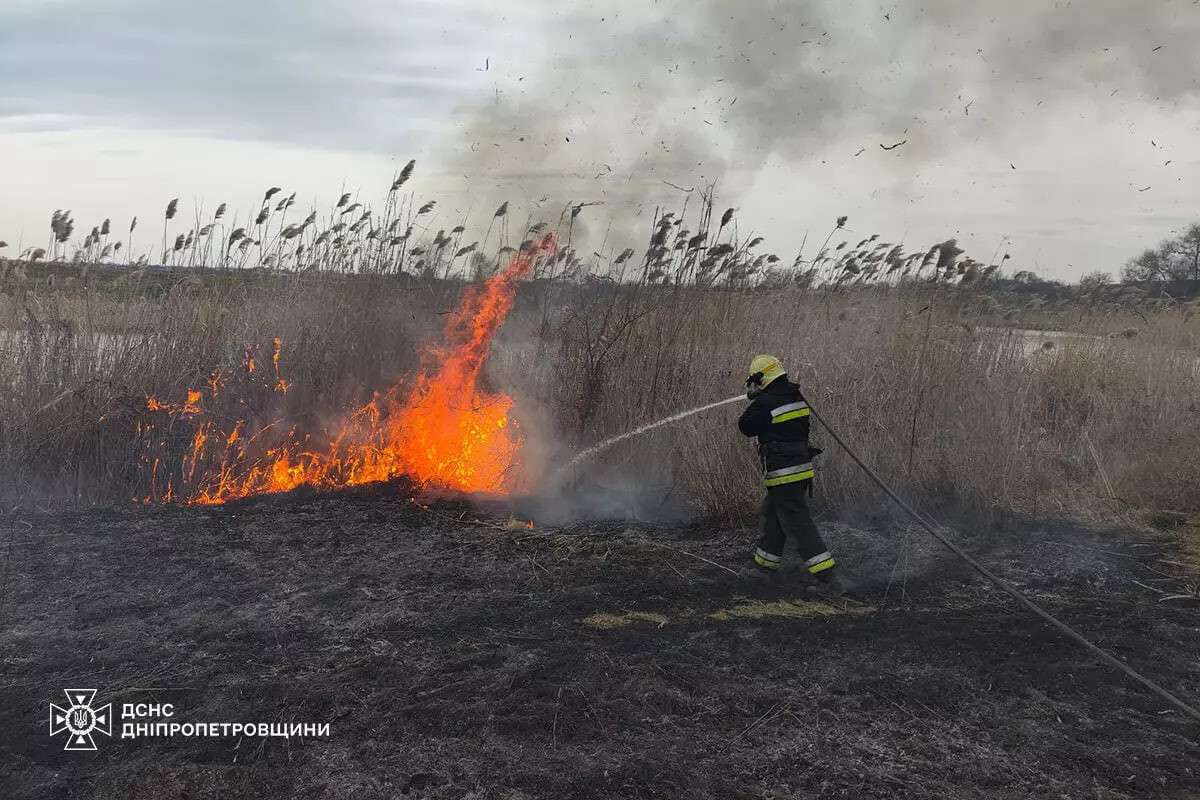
{"points": [[918, 375], [970, 417], [608, 621]]}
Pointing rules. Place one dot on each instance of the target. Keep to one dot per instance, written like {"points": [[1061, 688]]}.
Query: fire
{"points": [[442, 431], [188, 408], [449, 432], [281, 385]]}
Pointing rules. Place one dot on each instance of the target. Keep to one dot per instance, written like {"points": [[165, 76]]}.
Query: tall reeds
{"points": [[938, 387]]}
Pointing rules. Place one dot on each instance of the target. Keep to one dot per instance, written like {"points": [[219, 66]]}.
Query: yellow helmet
{"points": [[769, 366]]}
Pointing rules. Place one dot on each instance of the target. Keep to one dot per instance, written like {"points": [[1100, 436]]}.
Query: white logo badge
{"points": [[80, 720]]}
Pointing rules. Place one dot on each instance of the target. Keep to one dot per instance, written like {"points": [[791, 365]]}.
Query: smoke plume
{"points": [[632, 100]]}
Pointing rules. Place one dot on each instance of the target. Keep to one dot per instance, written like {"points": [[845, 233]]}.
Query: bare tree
{"points": [[1176, 259]]}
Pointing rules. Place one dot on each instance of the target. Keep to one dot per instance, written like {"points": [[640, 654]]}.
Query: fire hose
{"points": [[1008, 588]]}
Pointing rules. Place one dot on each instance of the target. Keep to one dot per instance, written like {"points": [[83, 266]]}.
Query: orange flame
{"points": [[281, 385], [189, 408], [446, 433]]}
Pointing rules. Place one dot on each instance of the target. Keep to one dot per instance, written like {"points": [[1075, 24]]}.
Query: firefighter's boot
{"points": [[829, 585]]}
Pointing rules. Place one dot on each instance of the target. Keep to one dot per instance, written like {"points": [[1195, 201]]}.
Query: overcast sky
{"points": [[1056, 131]]}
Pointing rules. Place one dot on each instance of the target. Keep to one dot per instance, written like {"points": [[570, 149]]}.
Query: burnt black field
{"points": [[456, 653]]}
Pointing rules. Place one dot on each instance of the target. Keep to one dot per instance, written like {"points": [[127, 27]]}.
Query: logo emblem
{"points": [[80, 720]]}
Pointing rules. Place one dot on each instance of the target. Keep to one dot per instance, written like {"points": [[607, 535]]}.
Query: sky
{"points": [[1057, 132]]}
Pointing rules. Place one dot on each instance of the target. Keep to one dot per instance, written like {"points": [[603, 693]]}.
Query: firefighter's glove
{"points": [[754, 386]]}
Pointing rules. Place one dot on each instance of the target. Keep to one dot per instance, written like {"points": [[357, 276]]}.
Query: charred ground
{"points": [[456, 653]]}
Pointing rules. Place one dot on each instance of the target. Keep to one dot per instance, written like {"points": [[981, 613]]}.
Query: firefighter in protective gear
{"points": [[778, 416]]}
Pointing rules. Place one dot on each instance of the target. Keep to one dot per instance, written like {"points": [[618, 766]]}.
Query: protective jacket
{"points": [[778, 416]]}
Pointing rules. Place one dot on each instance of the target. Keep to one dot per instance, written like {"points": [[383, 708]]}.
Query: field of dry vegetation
{"points": [[585, 638], [911, 357]]}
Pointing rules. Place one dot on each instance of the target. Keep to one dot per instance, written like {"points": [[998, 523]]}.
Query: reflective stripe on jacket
{"points": [[779, 418]]}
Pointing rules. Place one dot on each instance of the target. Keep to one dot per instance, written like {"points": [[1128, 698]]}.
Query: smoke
{"points": [[607, 495], [550, 486], [636, 100], [632, 97]]}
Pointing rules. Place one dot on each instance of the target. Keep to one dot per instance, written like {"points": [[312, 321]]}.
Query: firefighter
{"points": [[778, 415]]}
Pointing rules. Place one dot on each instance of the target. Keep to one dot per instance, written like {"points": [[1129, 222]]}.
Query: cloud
{"points": [[359, 75], [705, 88], [549, 103]]}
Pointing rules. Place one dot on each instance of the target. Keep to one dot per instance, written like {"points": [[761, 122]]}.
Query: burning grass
{"points": [[442, 430], [345, 360]]}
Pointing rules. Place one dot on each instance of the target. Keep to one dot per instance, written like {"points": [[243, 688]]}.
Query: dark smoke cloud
{"points": [[709, 91]]}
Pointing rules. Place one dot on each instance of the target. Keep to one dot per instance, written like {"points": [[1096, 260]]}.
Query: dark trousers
{"points": [[785, 513]]}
